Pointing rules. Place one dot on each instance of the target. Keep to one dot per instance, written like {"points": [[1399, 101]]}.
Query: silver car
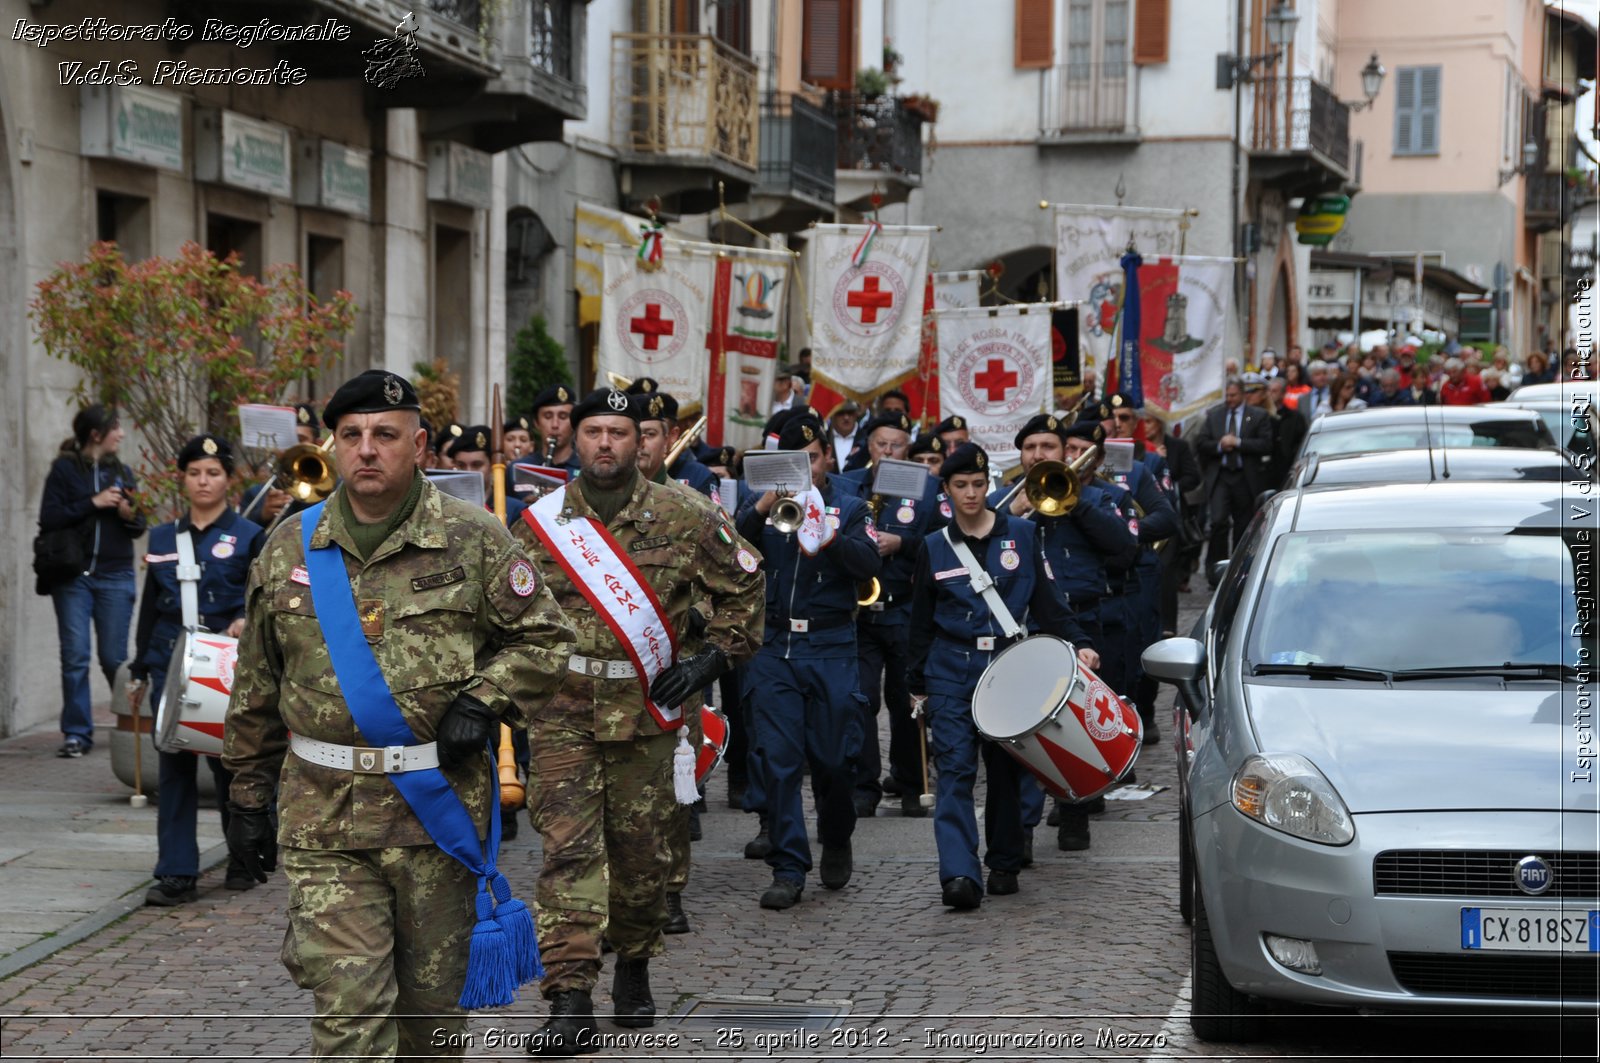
{"points": [[1408, 427], [1386, 758]]}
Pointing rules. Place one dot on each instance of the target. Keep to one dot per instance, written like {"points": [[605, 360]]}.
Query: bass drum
{"points": [[194, 705], [1057, 718], [713, 743]]}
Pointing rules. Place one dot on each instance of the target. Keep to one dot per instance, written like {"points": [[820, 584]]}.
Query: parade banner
{"points": [[958, 290], [1090, 243], [654, 318], [995, 369], [747, 324], [1185, 306], [867, 286], [595, 228]]}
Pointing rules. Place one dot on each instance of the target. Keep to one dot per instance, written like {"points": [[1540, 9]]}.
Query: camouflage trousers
{"points": [[380, 937], [603, 810]]}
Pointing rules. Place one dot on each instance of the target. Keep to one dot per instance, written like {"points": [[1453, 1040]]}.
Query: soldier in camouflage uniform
{"points": [[466, 633], [601, 790]]}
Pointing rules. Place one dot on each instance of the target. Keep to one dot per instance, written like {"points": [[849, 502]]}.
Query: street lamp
{"points": [[1280, 22], [1530, 159], [1371, 82]]}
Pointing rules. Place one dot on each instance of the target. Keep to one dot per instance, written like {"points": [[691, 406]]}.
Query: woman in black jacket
{"points": [[90, 490]]}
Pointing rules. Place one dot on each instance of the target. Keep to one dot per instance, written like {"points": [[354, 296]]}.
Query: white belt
{"points": [[366, 760], [595, 668]]}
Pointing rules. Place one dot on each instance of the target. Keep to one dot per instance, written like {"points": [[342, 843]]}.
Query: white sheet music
{"points": [[777, 470], [266, 427]]}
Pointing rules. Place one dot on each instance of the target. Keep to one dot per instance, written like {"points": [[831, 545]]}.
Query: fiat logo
{"points": [[1534, 875]]}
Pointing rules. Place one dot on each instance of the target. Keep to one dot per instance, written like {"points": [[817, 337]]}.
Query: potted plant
{"points": [[922, 105], [870, 81]]}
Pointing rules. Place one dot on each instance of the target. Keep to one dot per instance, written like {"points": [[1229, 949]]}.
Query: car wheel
{"points": [[1217, 1012], [1185, 867]]}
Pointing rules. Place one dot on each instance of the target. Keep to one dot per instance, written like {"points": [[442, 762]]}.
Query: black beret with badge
{"points": [[955, 423], [447, 437], [554, 395], [606, 402], [1094, 412], [519, 423], [889, 419], [927, 444], [1121, 401], [1093, 431], [645, 385], [1041, 424], [472, 438], [207, 446], [968, 457], [656, 406], [800, 432], [375, 391], [305, 413]]}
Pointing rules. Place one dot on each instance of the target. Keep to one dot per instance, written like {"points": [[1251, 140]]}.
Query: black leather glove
{"points": [[695, 624], [252, 840], [464, 731], [687, 676]]}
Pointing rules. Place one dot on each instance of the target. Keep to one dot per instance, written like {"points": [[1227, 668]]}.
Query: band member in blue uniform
{"points": [[552, 416], [956, 630], [887, 435], [470, 453], [224, 544], [807, 706]]}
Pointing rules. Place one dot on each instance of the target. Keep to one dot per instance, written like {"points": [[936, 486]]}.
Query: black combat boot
{"points": [[571, 1030], [630, 994], [758, 847], [677, 921]]}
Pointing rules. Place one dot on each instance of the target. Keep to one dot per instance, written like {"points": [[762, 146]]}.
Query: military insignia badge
{"points": [[656, 406], [747, 560], [805, 430], [209, 446], [617, 401], [1051, 423], [981, 461], [562, 396], [391, 391], [958, 422], [371, 613], [480, 440], [523, 581], [303, 415], [1009, 560]]}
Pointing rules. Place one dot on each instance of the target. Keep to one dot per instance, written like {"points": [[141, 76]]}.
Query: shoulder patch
{"points": [[523, 581], [439, 579]]}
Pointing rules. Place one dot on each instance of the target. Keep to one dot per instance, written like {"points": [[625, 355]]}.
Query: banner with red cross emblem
{"points": [[867, 286], [995, 370], [653, 322]]}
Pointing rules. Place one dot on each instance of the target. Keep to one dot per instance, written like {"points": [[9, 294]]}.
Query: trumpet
{"points": [[1051, 487], [787, 515]]}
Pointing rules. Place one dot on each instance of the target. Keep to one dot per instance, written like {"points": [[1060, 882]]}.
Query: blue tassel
{"points": [[517, 923], [491, 967]]}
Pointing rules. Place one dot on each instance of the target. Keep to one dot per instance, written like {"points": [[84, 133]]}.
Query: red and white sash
{"points": [[608, 580]]}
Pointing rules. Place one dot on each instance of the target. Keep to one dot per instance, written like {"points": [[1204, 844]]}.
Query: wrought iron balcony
{"points": [[1551, 201], [1078, 99], [685, 97], [1300, 116], [798, 149], [878, 134]]}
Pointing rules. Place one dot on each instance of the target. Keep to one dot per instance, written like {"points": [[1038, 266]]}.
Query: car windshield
{"points": [[1568, 432], [1415, 599], [1355, 439]]}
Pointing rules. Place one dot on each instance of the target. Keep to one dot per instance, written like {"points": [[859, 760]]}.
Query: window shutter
{"points": [[1405, 105], [1035, 34], [1150, 21], [1428, 110], [827, 49]]}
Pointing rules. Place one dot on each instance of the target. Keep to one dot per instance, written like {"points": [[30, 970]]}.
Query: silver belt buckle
{"points": [[986, 642], [801, 626], [365, 760], [596, 668]]}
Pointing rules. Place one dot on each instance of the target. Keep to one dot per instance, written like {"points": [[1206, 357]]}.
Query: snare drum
{"points": [[713, 743], [195, 702], [1057, 718]]}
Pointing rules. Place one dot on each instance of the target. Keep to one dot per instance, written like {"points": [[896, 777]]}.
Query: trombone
{"points": [[1051, 487], [305, 471]]}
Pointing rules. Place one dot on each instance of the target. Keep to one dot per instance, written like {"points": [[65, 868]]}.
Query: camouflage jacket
{"points": [[449, 602], [689, 553]]}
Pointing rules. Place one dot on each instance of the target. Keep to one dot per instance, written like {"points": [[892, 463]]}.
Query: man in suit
{"points": [[1231, 446]]}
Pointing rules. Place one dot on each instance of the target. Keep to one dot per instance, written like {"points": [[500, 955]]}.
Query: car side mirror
{"points": [[1181, 662], [1218, 570]]}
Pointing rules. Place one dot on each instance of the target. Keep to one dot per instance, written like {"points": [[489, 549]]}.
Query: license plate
{"points": [[1530, 930]]}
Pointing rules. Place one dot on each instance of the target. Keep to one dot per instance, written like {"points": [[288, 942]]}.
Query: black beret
{"points": [[554, 395], [519, 423], [775, 423], [305, 413], [426, 427], [644, 386], [957, 423], [1041, 424], [926, 444], [800, 432], [375, 391], [473, 437], [447, 435], [1093, 431], [968, 457], [723, 456], [892, 419], [655, 405], [605, 402], [207, 446], [1122, 401], [1094, 411]]}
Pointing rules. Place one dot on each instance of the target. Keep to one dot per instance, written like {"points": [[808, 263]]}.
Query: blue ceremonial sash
{"points": [[504, 952]]}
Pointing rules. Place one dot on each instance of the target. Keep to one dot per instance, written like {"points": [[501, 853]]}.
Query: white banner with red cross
{"points": [[747, 323], [995, 369], [654, 320], [1090, 243], [867, 287]]}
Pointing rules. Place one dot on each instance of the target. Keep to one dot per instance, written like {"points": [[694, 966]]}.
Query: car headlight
{"points": [[1286, 792]]}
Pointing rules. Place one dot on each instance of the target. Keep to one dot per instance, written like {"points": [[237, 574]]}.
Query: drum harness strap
{"points": [[983, 583], [188, 582]]}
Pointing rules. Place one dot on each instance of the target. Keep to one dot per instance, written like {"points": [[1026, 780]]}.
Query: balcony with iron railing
{"points": [[1084, 101], [1298, 130], [798, 149], [687, 100], [1553, 198], [878, 142]]}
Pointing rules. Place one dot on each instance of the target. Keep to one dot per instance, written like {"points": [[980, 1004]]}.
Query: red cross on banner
{"points": [[995, 379], [652, 326], [869, 300]]}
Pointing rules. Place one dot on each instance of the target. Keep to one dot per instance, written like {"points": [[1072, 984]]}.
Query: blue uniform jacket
{"points": [[1160, 520], [1084, 543], [697, 477], [911, 519], [947, 615], [820, 589], [224, 551]]}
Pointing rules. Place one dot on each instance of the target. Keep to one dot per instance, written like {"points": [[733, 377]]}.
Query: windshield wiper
{"points": [[1318, 670], [1507, 670]]}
